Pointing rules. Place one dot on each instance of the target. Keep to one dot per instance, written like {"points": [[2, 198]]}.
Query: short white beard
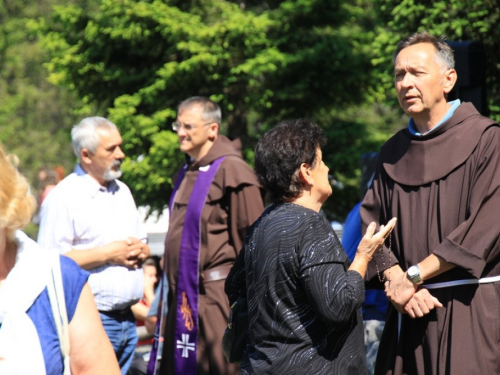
{"points": [[111, 174]]}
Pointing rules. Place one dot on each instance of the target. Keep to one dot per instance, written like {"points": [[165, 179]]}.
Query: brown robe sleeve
{"points": [[246, 206], [475, 241], [469, 243]]}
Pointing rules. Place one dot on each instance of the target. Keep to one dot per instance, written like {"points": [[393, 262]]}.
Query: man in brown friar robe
{"points": [[441, 178], [234, 201]]}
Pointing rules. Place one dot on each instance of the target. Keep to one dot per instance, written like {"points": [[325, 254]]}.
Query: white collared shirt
{"points": [[80, 214]]}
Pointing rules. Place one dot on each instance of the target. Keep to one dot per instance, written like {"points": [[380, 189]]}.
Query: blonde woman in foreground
{"points": [[29, 340]]}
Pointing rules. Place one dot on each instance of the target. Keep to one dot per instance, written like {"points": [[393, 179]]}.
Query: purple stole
{"points": [[186, 324]]}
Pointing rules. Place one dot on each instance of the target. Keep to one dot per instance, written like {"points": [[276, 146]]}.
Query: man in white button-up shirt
{"points": [[91, 217]]}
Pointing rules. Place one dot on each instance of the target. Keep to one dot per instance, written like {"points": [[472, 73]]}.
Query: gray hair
{"points": [[444, 53], [84, 134], [211, 110]]}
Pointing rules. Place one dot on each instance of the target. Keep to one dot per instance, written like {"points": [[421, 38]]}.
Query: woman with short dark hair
{"points": [[304, 295]]}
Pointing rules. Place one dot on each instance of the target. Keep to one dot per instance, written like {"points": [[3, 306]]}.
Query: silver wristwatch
{"points": [[414, 275]]}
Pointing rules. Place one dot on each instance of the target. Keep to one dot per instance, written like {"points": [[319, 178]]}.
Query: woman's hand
{"points": [[370, 243]]}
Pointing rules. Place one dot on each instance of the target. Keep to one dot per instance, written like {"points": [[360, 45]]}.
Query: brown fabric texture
{"points": [[234, 202], [444, 188]]}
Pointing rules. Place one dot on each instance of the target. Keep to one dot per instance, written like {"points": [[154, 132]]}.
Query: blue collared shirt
{"points": [[413, 130]]}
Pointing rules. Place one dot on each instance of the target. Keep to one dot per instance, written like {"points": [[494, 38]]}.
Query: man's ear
{"points": [[213, 131], [450, 78], [85, 156]]}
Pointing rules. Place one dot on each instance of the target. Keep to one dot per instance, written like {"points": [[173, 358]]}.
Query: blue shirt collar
{"points": [[413, 129]]}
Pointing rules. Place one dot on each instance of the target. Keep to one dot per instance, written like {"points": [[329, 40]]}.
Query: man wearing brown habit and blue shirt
{"points": [[440, 269]]}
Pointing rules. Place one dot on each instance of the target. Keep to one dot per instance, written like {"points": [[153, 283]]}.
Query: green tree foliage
{"points": [[34, 115], [135, 60], [458, 20], [262, 61]]}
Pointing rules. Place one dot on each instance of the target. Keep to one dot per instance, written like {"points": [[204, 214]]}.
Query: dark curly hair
{"points": [[281, 151]]}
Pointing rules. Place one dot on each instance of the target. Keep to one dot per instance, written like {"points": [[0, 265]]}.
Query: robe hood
{"points": [[415, 161], [234, 172], [222, 146]]}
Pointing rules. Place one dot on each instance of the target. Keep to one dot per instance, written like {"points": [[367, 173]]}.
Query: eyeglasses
{"points": [[176, 126]]}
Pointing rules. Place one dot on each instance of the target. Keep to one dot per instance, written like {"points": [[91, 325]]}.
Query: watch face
{"points": [[413, 271], [414, 275]]}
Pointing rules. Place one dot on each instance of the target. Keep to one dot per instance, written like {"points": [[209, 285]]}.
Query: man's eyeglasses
{"points": [[176, 126]]}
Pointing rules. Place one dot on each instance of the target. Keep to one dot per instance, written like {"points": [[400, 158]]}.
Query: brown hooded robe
{"points": [[444, 188], [234, 202]]}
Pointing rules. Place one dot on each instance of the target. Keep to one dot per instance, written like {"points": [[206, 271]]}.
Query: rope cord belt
{"points": [[446, 284]]}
